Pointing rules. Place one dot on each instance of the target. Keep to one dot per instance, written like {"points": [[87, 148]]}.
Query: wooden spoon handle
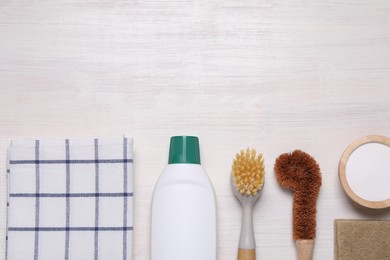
{"points": [[305, 249], [246, 254]]}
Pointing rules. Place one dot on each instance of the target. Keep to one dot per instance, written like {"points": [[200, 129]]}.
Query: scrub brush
{"points": [[247, 180], [299, 172]]}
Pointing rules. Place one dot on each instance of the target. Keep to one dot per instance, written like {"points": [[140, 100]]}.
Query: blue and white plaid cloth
{"points": [[70, 199]]}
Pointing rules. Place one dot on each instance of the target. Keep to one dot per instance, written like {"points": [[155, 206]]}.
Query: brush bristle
{"points": [[248, 171], [299, 172]]}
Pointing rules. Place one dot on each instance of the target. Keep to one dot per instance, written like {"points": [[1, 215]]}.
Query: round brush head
{"points": [[248, 171], [299, 172]]}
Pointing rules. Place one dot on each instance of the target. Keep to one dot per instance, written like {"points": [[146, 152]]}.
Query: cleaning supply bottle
{"points": [[184, 207]]}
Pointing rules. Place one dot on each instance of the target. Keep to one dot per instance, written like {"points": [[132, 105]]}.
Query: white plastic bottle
{"points": [[184, 207]]}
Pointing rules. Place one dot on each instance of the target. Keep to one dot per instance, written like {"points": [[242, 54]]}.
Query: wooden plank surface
{"points": [[274, 75]]}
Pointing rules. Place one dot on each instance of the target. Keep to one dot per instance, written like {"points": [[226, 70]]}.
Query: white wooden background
{"points": [[271, 74]]}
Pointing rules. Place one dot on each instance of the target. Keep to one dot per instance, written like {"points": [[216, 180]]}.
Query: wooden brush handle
{"points": [[246, 254], [305, 249]]}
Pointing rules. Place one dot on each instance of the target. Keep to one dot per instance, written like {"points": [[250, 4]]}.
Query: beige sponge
{"points": [[362, 239]]}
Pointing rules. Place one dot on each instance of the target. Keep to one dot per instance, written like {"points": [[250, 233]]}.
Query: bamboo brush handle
{"points": [[246, 254], [305, 249]]}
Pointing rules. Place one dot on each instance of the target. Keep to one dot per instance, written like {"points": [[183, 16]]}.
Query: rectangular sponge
{"points": [[361, 239]]}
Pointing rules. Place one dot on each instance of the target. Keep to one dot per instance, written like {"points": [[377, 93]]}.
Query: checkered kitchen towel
{"points": [[70, 199]]}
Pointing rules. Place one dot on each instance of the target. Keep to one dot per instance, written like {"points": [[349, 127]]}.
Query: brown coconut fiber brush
{"points": [[299, 172]]}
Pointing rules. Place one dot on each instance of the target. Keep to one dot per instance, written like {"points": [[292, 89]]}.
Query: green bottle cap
{"points": [[184, 149]]}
